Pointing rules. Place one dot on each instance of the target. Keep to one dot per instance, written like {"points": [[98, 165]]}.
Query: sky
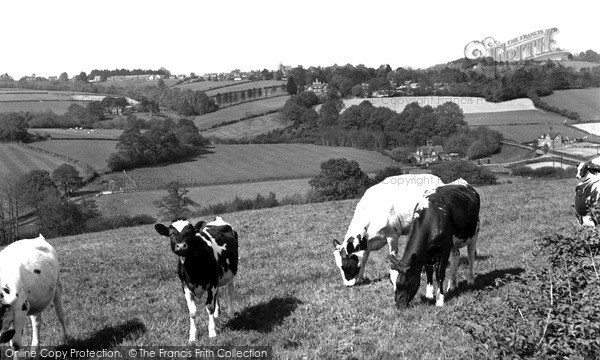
{"points": [[47, 38]]}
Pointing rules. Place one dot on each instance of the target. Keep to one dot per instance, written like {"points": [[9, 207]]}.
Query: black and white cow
{"points": [[445, 220], [29, 283], [587, 192], [208, 260], [382, 215]]}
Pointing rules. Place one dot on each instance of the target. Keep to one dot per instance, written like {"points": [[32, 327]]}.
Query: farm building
{"points": [[551, 139], [319, 88], [429, 154]]}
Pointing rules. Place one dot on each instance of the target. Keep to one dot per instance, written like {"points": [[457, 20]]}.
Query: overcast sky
{"points": [[49, 37]]}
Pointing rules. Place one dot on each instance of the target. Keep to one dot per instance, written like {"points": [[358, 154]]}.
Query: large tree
{"points": [[175, 205], [13, 127], [291, 86], [67, 177], [339, 179], [35, 186]]}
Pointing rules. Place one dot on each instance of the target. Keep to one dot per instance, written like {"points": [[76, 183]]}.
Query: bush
{"points": [[339, 179], [545, 172], [385, 173], [473, 174], [552, 311]]}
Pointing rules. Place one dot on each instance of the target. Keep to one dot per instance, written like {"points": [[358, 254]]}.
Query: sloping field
{"points": [[519, 117], [586, 102], [121, 287], [135, 83], [244, 163], [467, 104], [92, 152], [208, 85], [247, 85], [578, 65], [57, 107], [138, 203], [78, 133], [592, 128], [527, 133], [239, 111], [248, 128], [38, 101], [17, 160]]}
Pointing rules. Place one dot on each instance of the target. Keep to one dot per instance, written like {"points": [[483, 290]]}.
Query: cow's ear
{"points": [[350, 247], [7, 336], [161, 229], [199, 225], [336, 244], [394, 261], [362, 243]]}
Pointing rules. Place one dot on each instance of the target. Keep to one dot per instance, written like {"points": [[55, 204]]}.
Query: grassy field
{"points": [[586, 102], [578, 65], [248, 128], [520, 117], [92, 152], [17, 160], [246, 86], [245, 163], [57, 107], [121, 287], [58, 134], [510, 154], [208, 85], [526, 133], [135, 84], [239, 111], [467, 104], [138, 203]]}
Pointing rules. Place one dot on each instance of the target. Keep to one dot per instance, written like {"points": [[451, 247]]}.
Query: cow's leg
{"points": [[36, 324], [191, 304], [440, 275], [429, 285], [210, 309], [361, 272], [472, 252], [58, 307], [230, 291], [454, 262], [18, 324]]}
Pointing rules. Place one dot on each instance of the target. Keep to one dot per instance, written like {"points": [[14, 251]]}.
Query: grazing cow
{"points": [[208, 260], [587, 193], [381, 216], [445, 220], [29, 282]]}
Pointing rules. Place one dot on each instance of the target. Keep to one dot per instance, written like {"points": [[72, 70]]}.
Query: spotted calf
{"points": [[208, 260], [29, 283]]}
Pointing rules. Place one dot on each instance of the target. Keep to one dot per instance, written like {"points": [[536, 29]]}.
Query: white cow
{"points": [[29, 282], [381, 216]]}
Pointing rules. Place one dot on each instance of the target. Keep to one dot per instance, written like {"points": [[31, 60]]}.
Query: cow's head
{"points": [[182, 235], [349, 258], [585, 168], [405, 279]]}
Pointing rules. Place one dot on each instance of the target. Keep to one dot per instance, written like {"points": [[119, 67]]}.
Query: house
{"points": [[319, 88], [429, 154], [551, 139]]}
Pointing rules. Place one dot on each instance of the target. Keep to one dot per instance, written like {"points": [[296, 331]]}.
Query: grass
{"points": [[586, 102], [95, 153], [510, 154], [578, 65], [138, 203], [248, 128], [16, 160], [57, 107], [58, 134], [527, 133], [522, 117], [208, 85], [247, 85], [246, 163], [239, 111], [135, 84], [121, 286]]}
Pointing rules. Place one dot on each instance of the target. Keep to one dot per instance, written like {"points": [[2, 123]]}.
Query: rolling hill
{"points": [[586, 102]]}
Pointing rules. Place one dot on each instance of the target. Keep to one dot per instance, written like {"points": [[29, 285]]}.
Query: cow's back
{"points": [[30, 264], [393, 199], [459, 205]]}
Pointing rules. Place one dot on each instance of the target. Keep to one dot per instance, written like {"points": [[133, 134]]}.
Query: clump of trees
{"points": [[339, 179], [175, 205], [168, 142], [13, 127], [473, 174]]}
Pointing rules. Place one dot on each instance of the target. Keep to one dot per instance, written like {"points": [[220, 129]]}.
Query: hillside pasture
{"points": [[520, 117], [57, 134], [226, 164], [92, 152], [134, 84], [17, 160], [586, 102], [529, 132], [467, 104], [209, 85], [142, 202], [121, 287], [247, 85], [578, 65], [248, 128], [57, 107], [553, 164], [237, 112], [592, 128]]}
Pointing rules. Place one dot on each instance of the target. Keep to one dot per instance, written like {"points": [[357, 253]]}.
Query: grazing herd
{"points": [[438, 220]]}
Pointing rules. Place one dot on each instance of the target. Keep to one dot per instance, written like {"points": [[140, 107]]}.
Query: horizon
{"points": [[214, 38]]}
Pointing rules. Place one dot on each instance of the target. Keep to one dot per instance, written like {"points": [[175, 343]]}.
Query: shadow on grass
{"points": [[265, 316], [464, 260], [108, 337]]}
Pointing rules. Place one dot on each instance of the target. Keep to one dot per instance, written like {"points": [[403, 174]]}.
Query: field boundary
{"points": [[92, 173]]}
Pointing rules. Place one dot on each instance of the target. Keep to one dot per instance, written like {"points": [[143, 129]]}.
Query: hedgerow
{"points": [[551, 311]]}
